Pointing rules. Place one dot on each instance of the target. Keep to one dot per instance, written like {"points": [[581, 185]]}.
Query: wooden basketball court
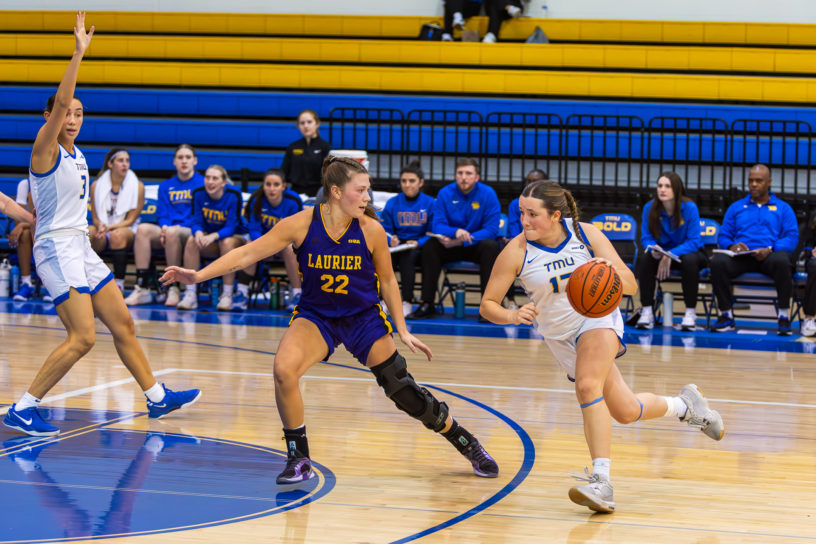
{"points": [[382, 476]]}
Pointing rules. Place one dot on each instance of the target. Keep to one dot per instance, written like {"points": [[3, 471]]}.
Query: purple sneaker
{"points": [[298, 469], [483, 464]]}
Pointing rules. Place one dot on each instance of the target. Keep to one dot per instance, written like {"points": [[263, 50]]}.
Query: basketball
{"points": [[594, 289]]}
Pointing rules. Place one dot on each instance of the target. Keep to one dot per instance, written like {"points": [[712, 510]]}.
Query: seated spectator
{"points": [[808, 238], [513, 213], [497, 12], [22, 238], [406, 219], [174, 213], [217, 228], [303, 159], [117, 198], [670, 223], [270, 203], [456, 12], [466, 218], [762, 231], [10, 208]]}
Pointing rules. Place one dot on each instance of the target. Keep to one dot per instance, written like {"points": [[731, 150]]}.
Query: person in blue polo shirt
{"points": [[670, 223], [762, 231], [466, 218], [406, 219]]}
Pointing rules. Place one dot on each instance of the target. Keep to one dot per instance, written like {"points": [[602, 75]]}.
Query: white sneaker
{"points": [[407, 308], [596, 495], [489, 38], [224, 302], [173, 296], [458, 21], [139, 296], [189, 302], [689, 322], [514, 11], [699, 414], [808, 327], [646, 319], [447, 37]]}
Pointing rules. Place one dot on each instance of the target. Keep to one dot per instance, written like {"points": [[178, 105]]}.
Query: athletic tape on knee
{"points": [[399, 386], [590, 403]]}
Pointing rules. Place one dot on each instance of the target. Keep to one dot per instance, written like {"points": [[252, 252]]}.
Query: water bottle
{"points": [[274, 293], [215, 290], [668, 310], [15, 279], [5, 277], [460, 301]]}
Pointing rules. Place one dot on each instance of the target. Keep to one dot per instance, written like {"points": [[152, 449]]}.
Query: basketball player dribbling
{"points": [[553, 244]]}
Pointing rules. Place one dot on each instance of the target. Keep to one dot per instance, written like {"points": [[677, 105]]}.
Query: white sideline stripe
{"points": [[116, 383], [479, 386], [99, 387]]}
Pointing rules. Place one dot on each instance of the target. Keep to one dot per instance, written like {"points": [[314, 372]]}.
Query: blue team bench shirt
{"points": [[175, 206], [478, 212], [270, 215], [771, 225], [222, 215], [408, 218], [686, 239], [513, 220]]}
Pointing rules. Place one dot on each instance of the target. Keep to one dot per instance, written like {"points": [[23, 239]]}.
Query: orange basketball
{"points": [[594, 289]]}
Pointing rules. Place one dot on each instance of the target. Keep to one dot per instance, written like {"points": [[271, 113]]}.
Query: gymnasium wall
{"points": [[781, 11]]}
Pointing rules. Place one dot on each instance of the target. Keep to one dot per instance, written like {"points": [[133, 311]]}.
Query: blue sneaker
{"points": [[724, 324], [173, 400], [46, 296], [294, 300], [24, 293], [239, 302], [28, 421]]}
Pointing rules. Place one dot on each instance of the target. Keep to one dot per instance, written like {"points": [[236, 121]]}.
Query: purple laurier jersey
{"points": [[339, 278]]}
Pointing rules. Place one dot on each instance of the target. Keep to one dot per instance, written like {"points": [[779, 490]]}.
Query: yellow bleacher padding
{"points": [[611, 57], [418, 79], [373, 26]]}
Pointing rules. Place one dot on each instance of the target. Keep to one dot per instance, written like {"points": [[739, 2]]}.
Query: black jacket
{"points": [[302, 163]]}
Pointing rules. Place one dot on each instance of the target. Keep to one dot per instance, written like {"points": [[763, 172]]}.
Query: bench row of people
{"points": [[203, 216]]}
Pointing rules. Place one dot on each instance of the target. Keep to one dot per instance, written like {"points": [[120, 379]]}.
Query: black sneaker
{"points": [[783, 327], [483, 464], [424, 311], [724, 324], [298, 469]]}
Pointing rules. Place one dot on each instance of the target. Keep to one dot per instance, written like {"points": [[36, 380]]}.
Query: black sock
{"points": [[119, 258], [143, 278], [458, 436], [296, 442]]}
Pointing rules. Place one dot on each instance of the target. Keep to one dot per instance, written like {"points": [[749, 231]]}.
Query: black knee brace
{"points": [[392, 375]]}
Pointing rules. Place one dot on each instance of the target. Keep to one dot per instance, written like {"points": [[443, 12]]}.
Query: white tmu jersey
{"points": [[544, 276], [61, 195]]}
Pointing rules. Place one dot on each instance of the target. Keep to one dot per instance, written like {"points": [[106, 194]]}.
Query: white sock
{"points": [[783, 313], [600, 465], [228, 290], [727, 313], [676, 407], [25, 279], [691, 312], [243, 289], [27, 401], [646, 311], [192, 289], [155, 393]]}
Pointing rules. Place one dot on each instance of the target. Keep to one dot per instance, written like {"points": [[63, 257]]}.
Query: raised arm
{"points": [[44, 152]]}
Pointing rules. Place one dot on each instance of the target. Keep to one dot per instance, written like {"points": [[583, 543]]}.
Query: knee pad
{"points": [[399, 386]]}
